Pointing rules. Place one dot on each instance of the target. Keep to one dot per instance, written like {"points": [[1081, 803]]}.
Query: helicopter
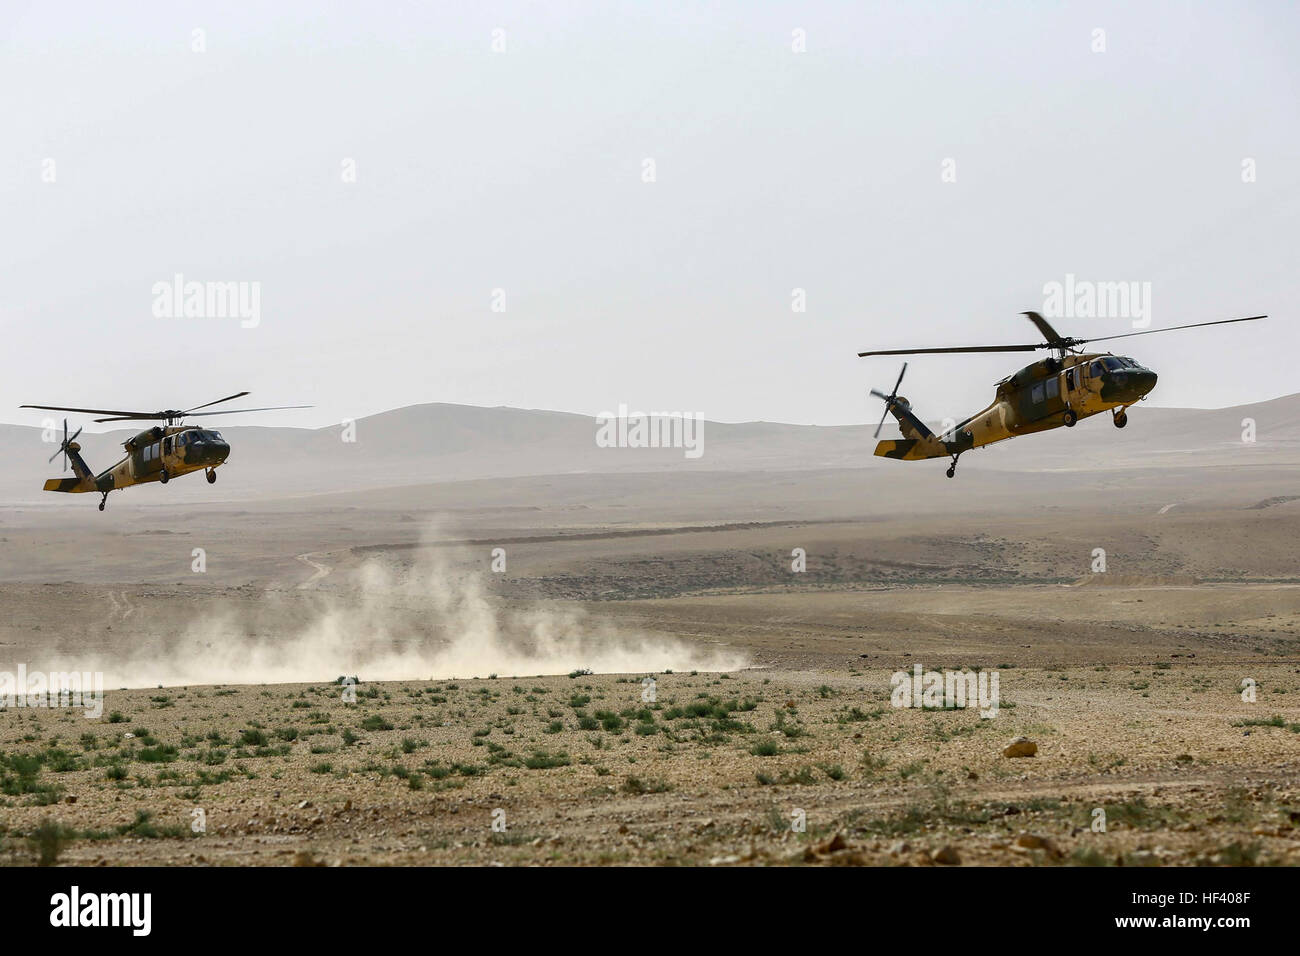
{"points": [[1055, 391], [160, 453]]}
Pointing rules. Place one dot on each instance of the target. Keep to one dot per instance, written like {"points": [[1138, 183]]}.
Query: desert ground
{"points": [[504, 630]]}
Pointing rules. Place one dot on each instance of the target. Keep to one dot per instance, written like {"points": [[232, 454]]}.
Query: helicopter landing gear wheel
{"points": [[1070, 418], [212, 477], [952, 469], [103, 501], [1121, 418], [163, 476]]}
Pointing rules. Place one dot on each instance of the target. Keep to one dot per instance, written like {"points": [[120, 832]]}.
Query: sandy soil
{"points": [[1129, 682]]}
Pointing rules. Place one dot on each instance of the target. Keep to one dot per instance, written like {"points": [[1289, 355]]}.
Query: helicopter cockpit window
{"points": [[1113, 363], [1096, 368]]}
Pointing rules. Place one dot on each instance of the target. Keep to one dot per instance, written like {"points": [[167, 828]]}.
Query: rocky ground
{"points": [[754, 767]]}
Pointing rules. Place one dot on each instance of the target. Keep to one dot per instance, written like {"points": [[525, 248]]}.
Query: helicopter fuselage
{"points": [[176, 450], [1052, 392]]}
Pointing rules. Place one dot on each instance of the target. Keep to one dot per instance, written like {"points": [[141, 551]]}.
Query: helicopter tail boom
{"points": [[85, 480], [919, 442]]}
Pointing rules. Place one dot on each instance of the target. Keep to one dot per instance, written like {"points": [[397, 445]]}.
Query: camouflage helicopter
{"points": [[1058, 390], [160, 453]]}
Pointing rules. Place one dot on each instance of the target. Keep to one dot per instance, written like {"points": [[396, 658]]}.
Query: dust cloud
{"points": [[383, 621]]}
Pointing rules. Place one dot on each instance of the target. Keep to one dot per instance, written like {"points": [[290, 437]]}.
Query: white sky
{"points": [[522, 171]]}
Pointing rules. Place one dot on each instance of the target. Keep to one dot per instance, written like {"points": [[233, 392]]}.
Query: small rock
{"points": [[1020, 747], [834, 844], [1031, 841], [947, 855]]}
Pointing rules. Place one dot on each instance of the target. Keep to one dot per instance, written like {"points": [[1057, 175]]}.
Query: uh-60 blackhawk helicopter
{"points": [[157, 454], [1058, 390]]}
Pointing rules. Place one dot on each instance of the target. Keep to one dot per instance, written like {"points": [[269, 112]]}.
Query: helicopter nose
{"points": [[213, 452], [1128, 385]]}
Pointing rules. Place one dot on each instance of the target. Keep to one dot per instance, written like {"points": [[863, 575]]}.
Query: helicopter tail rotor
{"points": [[63, 445], [890, 399]]}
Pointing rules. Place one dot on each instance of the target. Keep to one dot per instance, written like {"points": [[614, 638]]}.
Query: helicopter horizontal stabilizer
{"points": [[908, 449], [70, 485]]}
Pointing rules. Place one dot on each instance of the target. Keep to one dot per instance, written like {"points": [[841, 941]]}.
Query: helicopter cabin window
{"points": [[1050, 388], [180, 441]]}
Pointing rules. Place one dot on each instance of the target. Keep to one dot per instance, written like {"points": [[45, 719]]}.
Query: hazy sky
{"points": [[523, 171]]}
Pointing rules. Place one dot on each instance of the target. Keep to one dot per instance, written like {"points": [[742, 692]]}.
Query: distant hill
{"points": [[441, 442]]}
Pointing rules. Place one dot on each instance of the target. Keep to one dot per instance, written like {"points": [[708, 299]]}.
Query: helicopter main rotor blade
{"points": [[1174, 328], [963, 348], [236, 411], [1053, 337], [92, 411], [217, 402], [117, 415]]}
